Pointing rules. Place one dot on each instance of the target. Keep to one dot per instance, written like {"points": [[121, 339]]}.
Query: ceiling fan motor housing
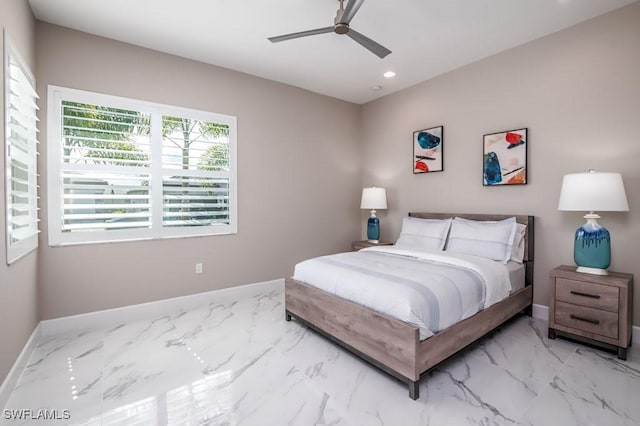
{"points": [[341, 28]]}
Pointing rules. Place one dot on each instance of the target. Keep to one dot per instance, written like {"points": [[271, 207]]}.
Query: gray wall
{"points": [[578, 92], [298, 176], [18, 282]]}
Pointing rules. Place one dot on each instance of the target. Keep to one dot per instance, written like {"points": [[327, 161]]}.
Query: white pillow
{"points": [[517, 252], [493, 240], [423, 234]]}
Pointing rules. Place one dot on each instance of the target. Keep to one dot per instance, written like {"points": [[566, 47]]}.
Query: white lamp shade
{"points": [[593, 192], [373, 198]]}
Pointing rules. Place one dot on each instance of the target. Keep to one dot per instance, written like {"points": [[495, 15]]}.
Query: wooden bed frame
{"points": [[392, 345]]}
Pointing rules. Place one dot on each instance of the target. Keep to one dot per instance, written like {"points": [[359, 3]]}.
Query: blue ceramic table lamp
{"points": [[373, 198], [593, 192]]}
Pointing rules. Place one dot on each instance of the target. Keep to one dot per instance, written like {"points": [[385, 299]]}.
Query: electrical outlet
{"points": [[198, 268]]}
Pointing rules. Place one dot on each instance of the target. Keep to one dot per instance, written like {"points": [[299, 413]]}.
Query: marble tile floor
{"points": [[237, 362]]}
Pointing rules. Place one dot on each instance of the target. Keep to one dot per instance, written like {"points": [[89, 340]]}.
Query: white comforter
{"points": [[432, 290]]}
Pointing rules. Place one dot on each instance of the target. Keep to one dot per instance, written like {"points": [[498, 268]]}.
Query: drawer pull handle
{"points": [[579, 293], [592, 321]]}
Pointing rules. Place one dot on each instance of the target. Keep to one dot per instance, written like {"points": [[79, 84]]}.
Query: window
{"points": [[20, 156], [122, 169]]}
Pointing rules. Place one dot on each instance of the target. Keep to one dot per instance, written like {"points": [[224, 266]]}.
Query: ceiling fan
{"points": [[341, 26]]}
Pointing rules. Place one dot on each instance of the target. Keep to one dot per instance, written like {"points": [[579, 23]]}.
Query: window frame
{"points": [[58, 94], [17, 250]]}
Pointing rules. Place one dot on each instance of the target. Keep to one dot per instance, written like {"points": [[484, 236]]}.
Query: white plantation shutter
{"points": [[124, 169], [195, 173], [105, 171], [20, 156]]}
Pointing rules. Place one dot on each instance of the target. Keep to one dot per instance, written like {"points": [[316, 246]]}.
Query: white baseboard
{"points": [[12, 378], [151, 309], [542, 312]]}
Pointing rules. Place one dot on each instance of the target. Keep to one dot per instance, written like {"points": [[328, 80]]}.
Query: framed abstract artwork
{"points": [[427, 150], [504, 159]]}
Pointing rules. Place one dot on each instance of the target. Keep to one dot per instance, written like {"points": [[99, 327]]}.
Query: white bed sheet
{"points": [[432, 290]]}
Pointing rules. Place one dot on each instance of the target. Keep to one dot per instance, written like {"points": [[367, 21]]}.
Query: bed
{"points": [[396, 346]]}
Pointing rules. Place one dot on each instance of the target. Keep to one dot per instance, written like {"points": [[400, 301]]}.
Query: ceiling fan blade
{"points": [[300, 34], [366, 42], [350, 11]]}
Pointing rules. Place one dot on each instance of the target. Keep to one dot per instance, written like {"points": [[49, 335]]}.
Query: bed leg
{"points": [[414, 390], [528, 311], [287, 316]]}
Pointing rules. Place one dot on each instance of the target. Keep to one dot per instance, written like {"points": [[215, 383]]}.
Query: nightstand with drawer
{"points": [[359, 245], [594, 308]]}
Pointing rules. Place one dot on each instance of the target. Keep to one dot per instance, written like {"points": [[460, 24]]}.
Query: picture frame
{"points": [[504, 158], [428, 150]]}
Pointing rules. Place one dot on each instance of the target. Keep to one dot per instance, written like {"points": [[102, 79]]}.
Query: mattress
{"points": [[431, 290], [517, 274]]}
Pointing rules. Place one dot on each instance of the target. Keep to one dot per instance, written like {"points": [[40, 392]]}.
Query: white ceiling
{"points": [[427, 37]]}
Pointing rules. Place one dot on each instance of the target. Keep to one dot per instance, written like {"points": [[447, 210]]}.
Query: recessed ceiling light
{"points": [[389, 74], [376, 88]]}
